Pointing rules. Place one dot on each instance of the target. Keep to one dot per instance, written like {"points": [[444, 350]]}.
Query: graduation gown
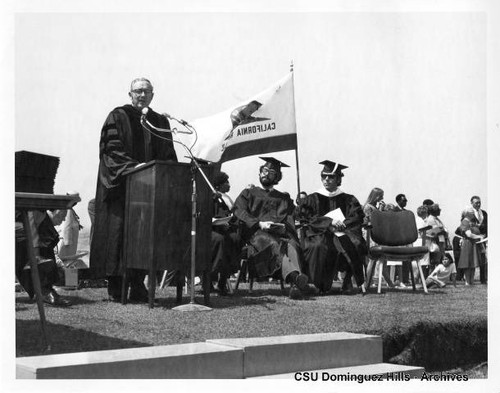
{"points": [[321, 255], [226, 242], [124, 143], [269, 251]]}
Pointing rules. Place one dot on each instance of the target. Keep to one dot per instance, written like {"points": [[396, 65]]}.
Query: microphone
{"points": [[183, 122]]}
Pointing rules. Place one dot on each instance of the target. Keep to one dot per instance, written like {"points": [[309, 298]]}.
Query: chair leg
{"points": [[163, 279], [424, 285], [380, 273], [250, 289], [242, 271]]}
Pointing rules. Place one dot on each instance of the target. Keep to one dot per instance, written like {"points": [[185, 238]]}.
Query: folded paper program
{"points": [[336, 215]]}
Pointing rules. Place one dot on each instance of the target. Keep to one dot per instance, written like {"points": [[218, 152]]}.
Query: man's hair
{"points": [[140, 80], [220, 178], [475, 197], [399, 197]]}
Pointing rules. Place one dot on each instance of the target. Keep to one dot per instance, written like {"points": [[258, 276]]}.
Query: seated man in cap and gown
{"points": [[268, 228], [226, 239], [333, 243]]}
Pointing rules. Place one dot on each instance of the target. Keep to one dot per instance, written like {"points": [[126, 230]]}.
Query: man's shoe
{"points": [[301, 282], [54, 299], [295, 293]]}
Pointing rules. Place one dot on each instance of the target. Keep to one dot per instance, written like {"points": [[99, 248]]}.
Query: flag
{"points": [[262, 124]]}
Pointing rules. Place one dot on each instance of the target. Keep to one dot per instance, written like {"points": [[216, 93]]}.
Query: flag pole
{"points": [[296, 135]]}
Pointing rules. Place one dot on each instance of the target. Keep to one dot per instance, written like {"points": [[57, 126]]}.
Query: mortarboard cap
{"points": [[331, 167], [273, 163]]}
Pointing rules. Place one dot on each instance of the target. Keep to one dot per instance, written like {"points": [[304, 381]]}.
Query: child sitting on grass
{"points": [[443, 272]]}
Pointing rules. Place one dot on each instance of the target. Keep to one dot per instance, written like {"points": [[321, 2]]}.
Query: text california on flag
{"points": [[262, 124]]}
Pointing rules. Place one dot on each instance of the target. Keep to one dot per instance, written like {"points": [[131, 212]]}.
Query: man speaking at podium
{"points": [[124, 145]]}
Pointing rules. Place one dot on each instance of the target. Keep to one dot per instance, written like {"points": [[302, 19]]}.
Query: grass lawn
{"points": [[443, 330]]}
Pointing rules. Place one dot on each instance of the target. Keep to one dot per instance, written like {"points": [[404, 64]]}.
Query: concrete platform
{"points": [[288, 354], [198, 360], [391, 372]]}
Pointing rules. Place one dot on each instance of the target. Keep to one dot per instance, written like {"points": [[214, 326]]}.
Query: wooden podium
{"points": [[158, 221]]}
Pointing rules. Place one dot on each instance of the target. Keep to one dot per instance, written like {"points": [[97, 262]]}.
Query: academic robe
{"points": [[124, 143], [269, 251], [322, 256], [226, 242]]}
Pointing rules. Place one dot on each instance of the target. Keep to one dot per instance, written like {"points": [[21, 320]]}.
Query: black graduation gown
{"points": [[267, 249], [322, 257], [124, 143], [226, 242]]}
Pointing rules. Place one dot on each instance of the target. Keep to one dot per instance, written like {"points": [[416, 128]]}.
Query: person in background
{"points": [[300, 211], [301, 197], [402, 272], [268, 227], [401, 202], [427, 202], [437, 235], [69, 230], [482, 219], [226, 239], [443, 273], [124, 145], [470, 253], [47, 267], [421, 222], [333, 239], [373, 202], [390, 207]]}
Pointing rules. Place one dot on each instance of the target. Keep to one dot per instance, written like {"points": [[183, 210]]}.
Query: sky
{"points": [[403, 93], [393, 96]]}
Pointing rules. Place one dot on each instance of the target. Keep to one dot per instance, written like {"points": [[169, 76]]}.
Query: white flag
{"points": [[262, 124]]}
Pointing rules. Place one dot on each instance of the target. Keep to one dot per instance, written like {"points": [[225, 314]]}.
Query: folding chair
{"points": [[393, 232], [245, 273]]}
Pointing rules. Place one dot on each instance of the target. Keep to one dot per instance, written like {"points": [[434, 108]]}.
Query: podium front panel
{"points": [[158, 218]]}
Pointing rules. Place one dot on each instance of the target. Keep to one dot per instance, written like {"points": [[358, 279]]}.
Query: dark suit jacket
{"points": [[483, 228]]}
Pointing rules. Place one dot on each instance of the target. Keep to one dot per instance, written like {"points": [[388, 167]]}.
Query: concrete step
{"points": [[288, 354], [386, 371], [189, 361]]}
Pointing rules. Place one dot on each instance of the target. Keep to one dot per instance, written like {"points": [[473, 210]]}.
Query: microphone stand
{"points": [[195, 166]]}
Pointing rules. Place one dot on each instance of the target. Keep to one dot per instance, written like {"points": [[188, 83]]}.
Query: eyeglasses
{"points": [[138, 92], [329, 177], [266, 171]]}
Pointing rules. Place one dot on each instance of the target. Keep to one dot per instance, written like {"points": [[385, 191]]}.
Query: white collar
{"points": [[325, 192]]}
